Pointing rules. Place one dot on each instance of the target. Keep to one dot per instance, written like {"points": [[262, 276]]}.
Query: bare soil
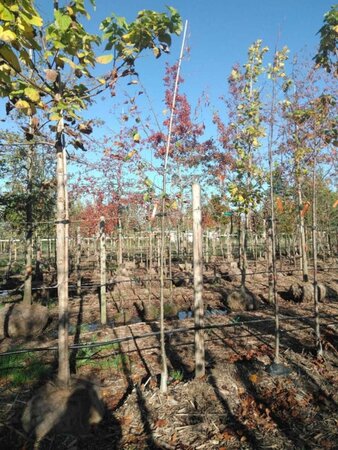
{"points": [[241, 403]]}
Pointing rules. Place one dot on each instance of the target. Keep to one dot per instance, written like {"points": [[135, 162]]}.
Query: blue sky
{"points": [[219, 33]]}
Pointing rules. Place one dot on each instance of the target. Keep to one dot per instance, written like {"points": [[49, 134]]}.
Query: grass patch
{"points": [[94, 357], [23, 368], [176, 375], [169, 310]]}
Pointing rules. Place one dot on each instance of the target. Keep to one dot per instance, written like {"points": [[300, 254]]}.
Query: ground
{"points": [[242, 402]]}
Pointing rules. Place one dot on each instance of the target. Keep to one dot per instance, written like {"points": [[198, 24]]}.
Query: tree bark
{"points": [[103, 298], [302, 233], [319, 347], [27, 296], [198, 282]]}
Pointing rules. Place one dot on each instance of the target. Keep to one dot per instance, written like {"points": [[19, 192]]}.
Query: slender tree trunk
{"points": [[120, 245], [103, 298], [243, 245], [78, 261], [27, 296], [314, 249], [272, 232], [164, 365], [302, 233]]}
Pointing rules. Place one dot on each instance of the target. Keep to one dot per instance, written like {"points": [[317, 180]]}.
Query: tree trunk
{"points": [[120, 245], [27, 296], [314, 249], [78, 261], [103, 298], [243, 245], [302, 233], [164, 366]]}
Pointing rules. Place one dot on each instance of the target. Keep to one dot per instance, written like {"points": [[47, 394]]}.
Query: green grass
{"points": [[23, 368], [93, 357], [176, 375], [169, 310]]}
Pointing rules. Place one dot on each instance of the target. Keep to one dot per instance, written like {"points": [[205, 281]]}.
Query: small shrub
{"points": [[176, 375]]}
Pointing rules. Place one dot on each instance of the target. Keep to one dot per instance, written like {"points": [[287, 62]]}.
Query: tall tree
{"points": [[326, 56], [63, 87], [242, 137]]}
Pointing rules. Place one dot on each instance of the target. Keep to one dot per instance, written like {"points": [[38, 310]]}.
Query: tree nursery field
{"points": [[167, 280]]}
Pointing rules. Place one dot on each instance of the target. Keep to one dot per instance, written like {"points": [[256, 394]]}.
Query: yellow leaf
{"points": [[102, 80], [7, 36], [54, 116], [136, 137], [32, 94], [104, 59], [127, 37], [157, 52], [69, 61], [25, 107], [22, 104], [130, 155]]}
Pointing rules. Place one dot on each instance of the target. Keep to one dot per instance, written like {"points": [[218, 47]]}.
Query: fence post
{"points": [[198, 282], [103, 298]]}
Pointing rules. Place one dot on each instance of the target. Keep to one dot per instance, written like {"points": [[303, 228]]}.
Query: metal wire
{"points": [[157, 333]]}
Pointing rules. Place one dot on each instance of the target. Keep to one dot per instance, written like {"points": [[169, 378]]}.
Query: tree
{"points": [[242, 139], [309, 128], [29, 193], [327, 51], [62, 86]]}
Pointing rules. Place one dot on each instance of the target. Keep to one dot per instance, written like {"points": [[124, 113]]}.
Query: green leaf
{"points": [[62, 21], [104, 59], [36, 21], [148, 182], [5, 14], [9, 56]]}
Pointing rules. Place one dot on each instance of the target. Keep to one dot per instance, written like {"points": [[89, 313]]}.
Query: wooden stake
{"points": [[198, 281]]}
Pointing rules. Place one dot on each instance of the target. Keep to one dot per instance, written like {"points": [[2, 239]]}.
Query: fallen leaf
{"points": [[160, 423]]}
